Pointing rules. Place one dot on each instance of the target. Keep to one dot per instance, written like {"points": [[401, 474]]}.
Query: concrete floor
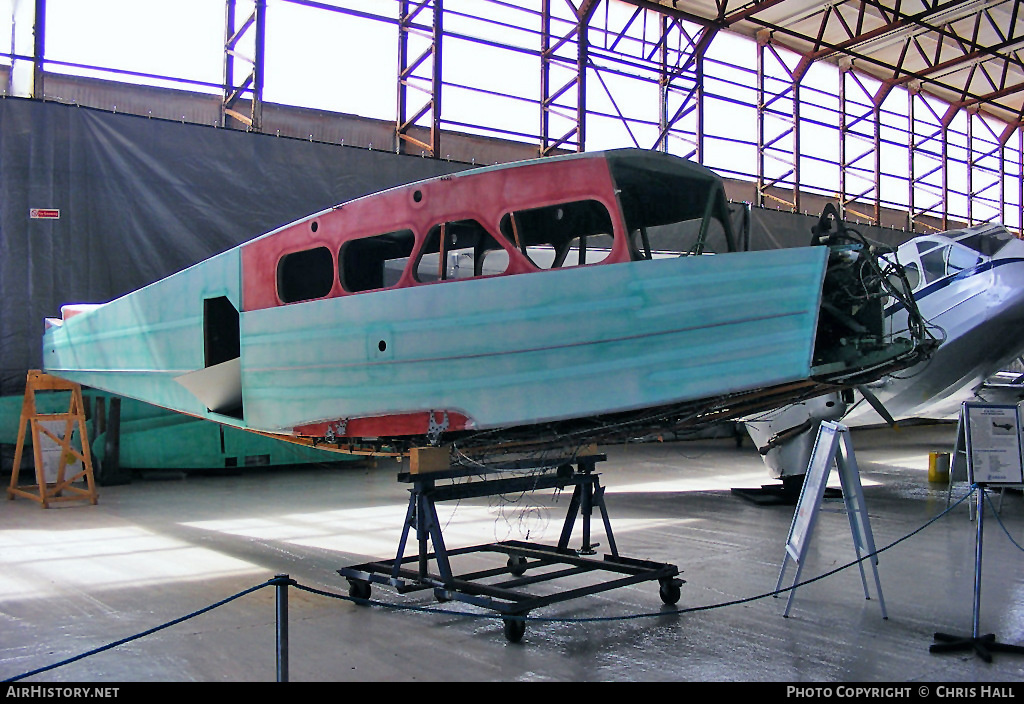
{"points": [[77, 577]]}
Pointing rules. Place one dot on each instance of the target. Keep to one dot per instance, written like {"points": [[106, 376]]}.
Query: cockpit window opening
{"points": [[576, 233], [913, 273], [588, 249], [305, 275], [460, 249], [375, 262], [959, 258], [681, 213], [933, 260], [988, 242], [941, 259]]}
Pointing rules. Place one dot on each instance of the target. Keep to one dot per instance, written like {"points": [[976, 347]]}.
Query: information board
{"points": [[818, 470], [832, 448], [992, 433]]}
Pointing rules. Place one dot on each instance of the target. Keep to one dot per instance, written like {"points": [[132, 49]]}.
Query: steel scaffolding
{"points": [[891, 141]]}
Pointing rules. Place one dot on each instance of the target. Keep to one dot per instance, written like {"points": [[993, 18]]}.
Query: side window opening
{"points": [[370, 263], [460, 249], [587, 249], [933, 260], [567, 234], [913, 275], [694, 236], [959, 258], [305, 275]]}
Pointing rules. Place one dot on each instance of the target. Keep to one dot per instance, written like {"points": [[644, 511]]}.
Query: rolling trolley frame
{"points": [[508, 595]]}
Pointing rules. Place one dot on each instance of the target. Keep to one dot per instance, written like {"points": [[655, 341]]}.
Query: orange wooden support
{"points": [[31, 419]]}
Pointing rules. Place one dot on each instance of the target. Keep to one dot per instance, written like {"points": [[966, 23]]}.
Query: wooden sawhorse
{"points": [[32, 419]]}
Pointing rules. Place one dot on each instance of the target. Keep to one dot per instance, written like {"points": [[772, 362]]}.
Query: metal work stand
{"points": [[501, 588]]}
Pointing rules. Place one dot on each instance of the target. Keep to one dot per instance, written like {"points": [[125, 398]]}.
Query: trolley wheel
{"points": [[359, 589], [442, 595], [517, 565], [669, 591], [514, 629]]}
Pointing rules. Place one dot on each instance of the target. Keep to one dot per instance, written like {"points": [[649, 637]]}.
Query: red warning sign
{"points": [[44, 214]]}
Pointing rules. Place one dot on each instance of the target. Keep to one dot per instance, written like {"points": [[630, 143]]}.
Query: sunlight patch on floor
{"points": [[703, 482], [103, 557], [376, 531], [916, 462]]}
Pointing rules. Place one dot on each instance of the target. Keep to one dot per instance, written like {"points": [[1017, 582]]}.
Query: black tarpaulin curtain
{"points": [[140, 199]]}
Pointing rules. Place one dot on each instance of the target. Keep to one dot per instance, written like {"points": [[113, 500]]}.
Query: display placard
{"points": [[993, 436], [818, 469], [832, 448]]}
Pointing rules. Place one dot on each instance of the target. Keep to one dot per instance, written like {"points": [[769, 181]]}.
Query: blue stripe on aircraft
{"points": [[947, 280]]}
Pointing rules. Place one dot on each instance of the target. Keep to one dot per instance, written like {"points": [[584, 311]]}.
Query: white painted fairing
{"points": [[783, 455]]}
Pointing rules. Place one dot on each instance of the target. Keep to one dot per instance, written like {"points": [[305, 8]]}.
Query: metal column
{"points": [[852, 169], [426, 37], [253, 29], [682, 76], [926, 149], [552, 57], [779, 109], [38, 49]]}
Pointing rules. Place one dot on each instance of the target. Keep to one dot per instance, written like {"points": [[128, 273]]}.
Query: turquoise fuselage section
{"points": [[504, 350], [136, 345]]}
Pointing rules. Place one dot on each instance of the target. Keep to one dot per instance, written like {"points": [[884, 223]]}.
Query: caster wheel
{"points": [[669, 591], [514, 629], [441, 595], [517, 565], [358, 589]]}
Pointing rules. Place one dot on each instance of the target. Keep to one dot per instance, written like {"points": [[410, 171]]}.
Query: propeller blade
{"points": [[877, 405]]}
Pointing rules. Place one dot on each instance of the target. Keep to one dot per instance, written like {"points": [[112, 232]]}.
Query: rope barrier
{"points": [[999, 520], [151, 631], [285, 581]]}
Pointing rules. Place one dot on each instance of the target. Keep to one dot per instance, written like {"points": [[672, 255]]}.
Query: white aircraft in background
{"points": [[968, 285]]}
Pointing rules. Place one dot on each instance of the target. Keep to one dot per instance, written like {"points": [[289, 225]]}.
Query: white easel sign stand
{"points": [[831, 448], [991, 434]]}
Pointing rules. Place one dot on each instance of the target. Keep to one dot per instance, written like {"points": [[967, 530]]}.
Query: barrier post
{"points": [[282, 627]]}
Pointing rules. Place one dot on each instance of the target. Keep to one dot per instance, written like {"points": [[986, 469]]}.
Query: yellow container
{"points": [[938, 467]]}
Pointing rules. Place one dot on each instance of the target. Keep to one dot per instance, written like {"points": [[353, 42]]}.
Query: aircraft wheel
{"points": [[669, 591], [358, 589], [514, 629]]}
